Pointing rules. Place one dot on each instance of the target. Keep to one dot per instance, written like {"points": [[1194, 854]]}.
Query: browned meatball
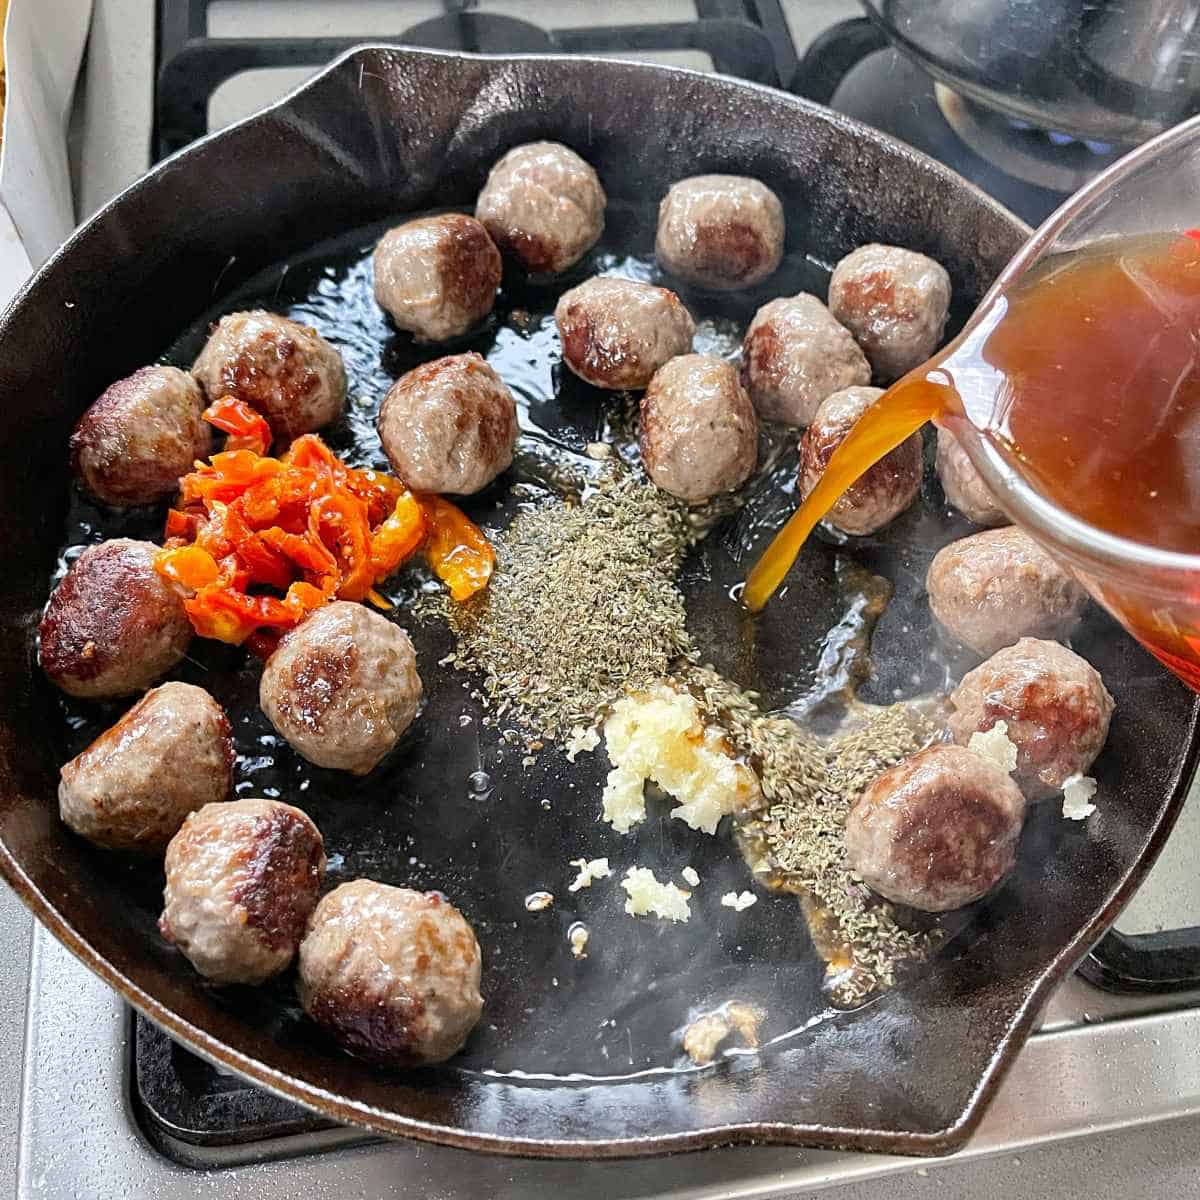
{"points": [[963, 485], [543, 205], [991, 588], [880, 495], [617, 332], [895, 303], [169, 755], [242, 880], [449, 425], [113, 626], [342, 687], [937, 831], [1055, 705], [285, 370], [143, 433], [437, 276], [391, 973], [795, 354], [699, 435], [720, 231]]}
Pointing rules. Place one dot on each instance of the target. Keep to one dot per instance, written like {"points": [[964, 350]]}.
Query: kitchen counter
{"points": [[16, 929]]}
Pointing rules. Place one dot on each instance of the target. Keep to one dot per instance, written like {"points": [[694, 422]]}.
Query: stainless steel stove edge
{"points": [[79, 1136]]}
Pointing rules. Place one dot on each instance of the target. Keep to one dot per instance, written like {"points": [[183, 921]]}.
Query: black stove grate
{"points": [[181, 1098], [745, 38]]}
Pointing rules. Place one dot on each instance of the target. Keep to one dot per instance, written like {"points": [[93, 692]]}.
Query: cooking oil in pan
{"points": [[458, 808]]}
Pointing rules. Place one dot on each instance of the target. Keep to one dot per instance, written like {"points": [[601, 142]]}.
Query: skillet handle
{"points": [[1144, 963]]}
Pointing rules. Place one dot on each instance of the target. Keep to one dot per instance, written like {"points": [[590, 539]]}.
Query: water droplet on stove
{"points": [[735, 592], [479, 785]]}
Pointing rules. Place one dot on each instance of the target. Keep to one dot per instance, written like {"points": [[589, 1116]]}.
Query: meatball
{"points": [[391, 973], [437, 277], [449, 425], [616, 332], [699, 435], [720, 231], [543, 205], [285, 370], [169, 755], [991, 588], [880, 495], [342, 687], [963, 485], [113, 626], [937, 831], [795, 354], [144, 432], [1055, 705], [895, 303], [242, 880]]}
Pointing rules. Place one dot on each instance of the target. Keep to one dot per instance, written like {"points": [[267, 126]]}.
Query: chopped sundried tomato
{"points": [[226, 475], [182, 525], [266, 565], [189, 566], [247, 429], [458, 552], [339, 522], [304, 525], [398, 536]]}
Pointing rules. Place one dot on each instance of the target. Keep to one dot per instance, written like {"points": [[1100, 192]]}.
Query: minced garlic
{"points": [[660, 737], [996, 747], [578, 936], [738, 902], [704, 1035], [580, 741], [1078, 791], [647, 895], [689, 876], [589, 871]]}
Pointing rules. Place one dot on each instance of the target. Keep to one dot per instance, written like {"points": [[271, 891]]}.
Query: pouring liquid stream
{"points": [[1085, 377], [900, 412]]}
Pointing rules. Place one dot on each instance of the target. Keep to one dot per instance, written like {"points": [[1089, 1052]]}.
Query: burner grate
{"points": [[183, 1099], [748, 39]]}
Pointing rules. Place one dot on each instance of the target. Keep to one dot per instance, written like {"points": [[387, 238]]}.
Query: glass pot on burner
{"points": [[1075, 390]]}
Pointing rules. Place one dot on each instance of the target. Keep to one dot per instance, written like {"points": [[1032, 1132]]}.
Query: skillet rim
{"points": [[388, 1123]]}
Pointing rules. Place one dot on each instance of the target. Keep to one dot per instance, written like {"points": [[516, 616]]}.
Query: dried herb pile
{"points": [[583, 608], [810, 786]]}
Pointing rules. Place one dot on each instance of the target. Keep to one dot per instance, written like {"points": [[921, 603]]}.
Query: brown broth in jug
{"points": [[1084, 375]]}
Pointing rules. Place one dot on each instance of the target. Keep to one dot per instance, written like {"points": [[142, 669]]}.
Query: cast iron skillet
{"points": [[380, 133]]}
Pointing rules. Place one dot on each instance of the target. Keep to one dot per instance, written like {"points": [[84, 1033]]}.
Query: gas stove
{"points": [[143, 1118]]}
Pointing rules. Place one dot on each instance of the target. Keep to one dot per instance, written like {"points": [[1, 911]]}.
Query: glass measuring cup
{"points": [[1154, 593]]}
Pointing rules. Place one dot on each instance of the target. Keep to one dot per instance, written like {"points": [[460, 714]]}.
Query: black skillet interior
{"points": [[240, 221]]}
